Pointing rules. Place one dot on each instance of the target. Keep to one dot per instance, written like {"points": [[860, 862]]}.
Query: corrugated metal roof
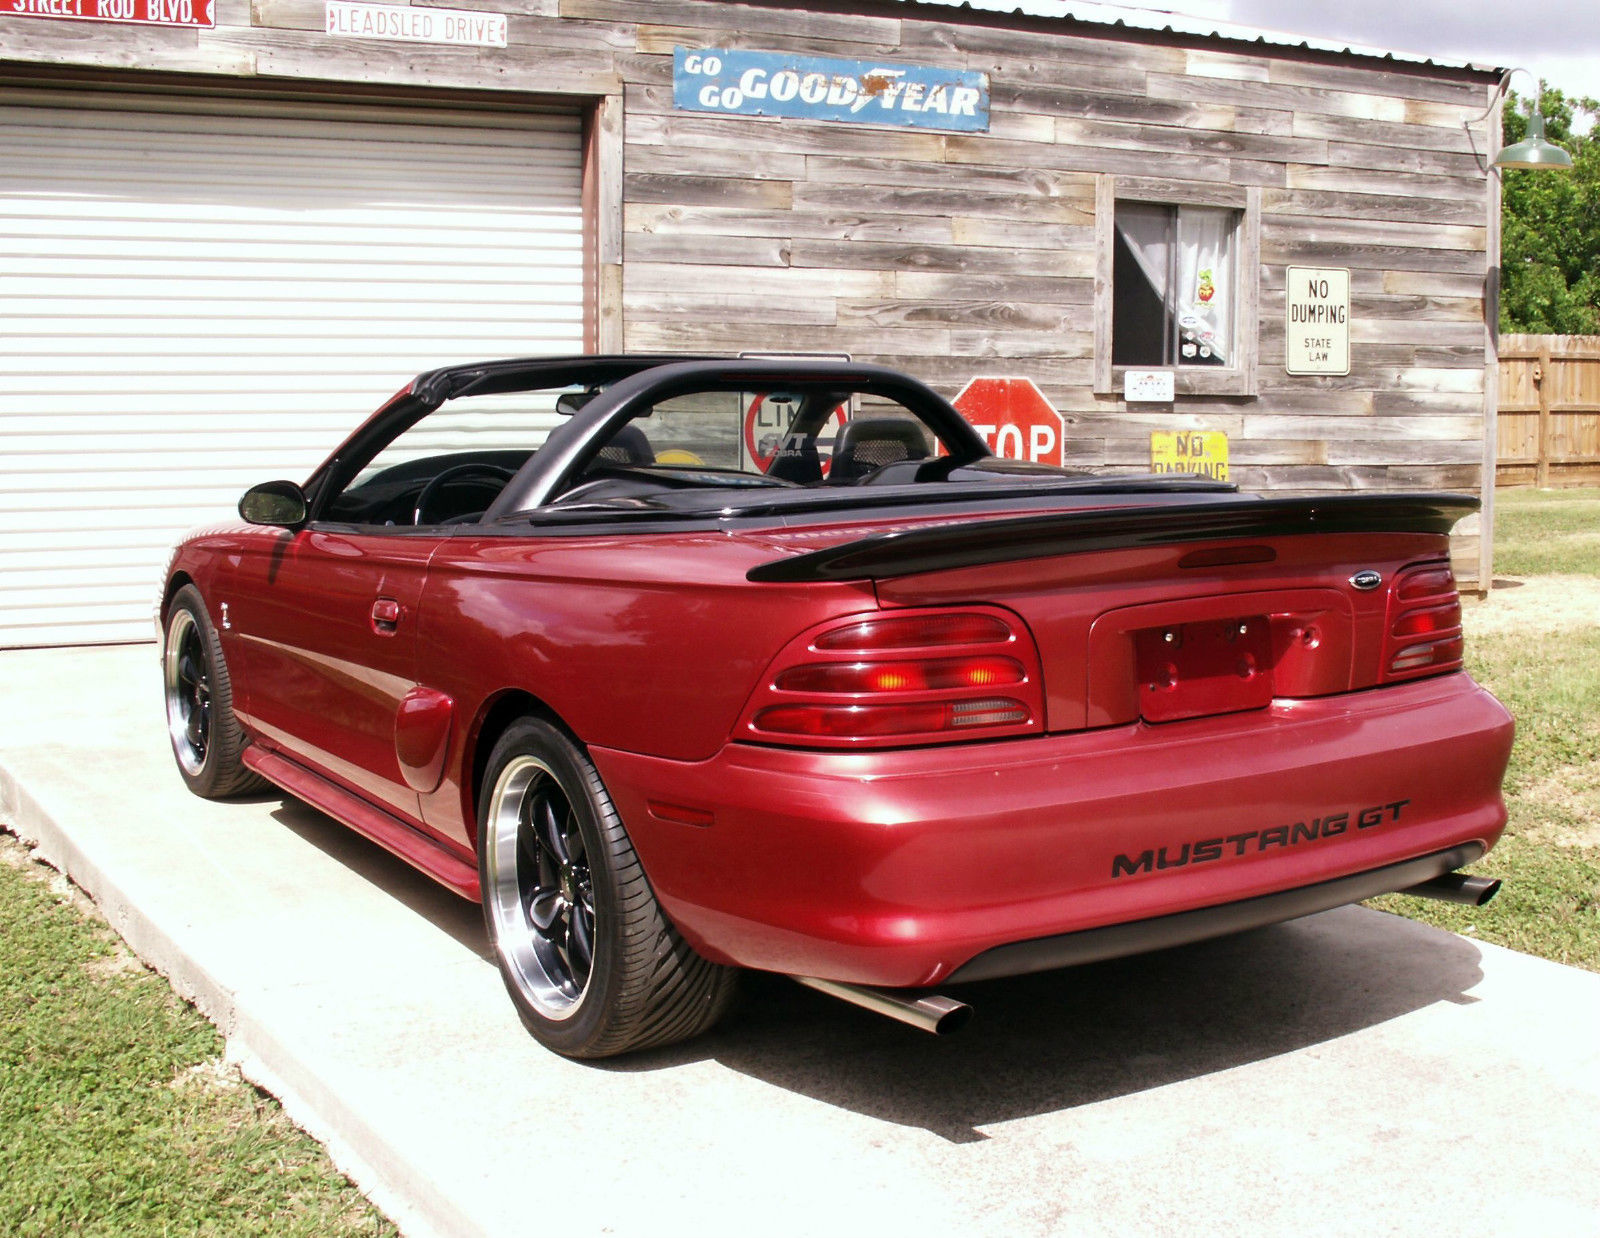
{"points": [[1166, 21]]}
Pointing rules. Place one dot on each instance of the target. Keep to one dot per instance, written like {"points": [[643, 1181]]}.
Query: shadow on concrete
{"points": [[1039, 1044], [1058, 1040], [427, 898]]}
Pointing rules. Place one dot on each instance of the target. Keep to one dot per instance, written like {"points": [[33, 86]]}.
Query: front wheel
{"points": [[592, 964], [207, 740]]}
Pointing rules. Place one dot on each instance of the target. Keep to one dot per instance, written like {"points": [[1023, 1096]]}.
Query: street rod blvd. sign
{"points": [[743, 83], [140, 12]]}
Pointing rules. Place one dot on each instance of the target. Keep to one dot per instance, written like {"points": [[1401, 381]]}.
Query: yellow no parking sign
{"points": [[1190, 451]]}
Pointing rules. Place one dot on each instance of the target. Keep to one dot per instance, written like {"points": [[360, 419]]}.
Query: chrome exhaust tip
{"points": [[935, 1014], [1457, 888]]}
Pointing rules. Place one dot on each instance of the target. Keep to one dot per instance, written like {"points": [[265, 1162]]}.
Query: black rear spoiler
{"points": [[972, 543]]}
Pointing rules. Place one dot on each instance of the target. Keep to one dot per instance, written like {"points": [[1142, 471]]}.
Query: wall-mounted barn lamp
{"points": [[1534, 151]]}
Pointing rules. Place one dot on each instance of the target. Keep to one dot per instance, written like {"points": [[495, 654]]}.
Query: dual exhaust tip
{"points": [[943, 1015]]}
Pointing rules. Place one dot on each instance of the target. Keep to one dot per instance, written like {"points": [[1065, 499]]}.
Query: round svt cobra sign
{"points": [[765, 423], [1014, 418]]}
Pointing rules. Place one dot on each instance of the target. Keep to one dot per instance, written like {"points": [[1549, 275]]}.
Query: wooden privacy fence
{"points": [[1549, 417]]}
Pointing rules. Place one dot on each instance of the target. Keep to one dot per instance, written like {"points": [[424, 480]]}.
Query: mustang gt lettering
{"points": [[682, 667], [1330, 826]]}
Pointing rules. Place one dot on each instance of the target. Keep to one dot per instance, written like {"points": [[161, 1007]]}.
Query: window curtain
{"points": [[1205, 291]]}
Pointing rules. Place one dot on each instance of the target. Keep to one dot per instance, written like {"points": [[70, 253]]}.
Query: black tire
{"points": [[607, 973], [207, 741]]}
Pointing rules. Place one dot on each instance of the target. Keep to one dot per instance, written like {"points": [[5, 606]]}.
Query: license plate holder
{"points": [[1191, 670]]}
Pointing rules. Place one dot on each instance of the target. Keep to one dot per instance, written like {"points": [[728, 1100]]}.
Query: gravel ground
{"points": [[1538, 603]]}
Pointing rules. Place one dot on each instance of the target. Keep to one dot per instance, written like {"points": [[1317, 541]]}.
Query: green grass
{"points": [[117, 1115], [1549, 677], [1547, 532]]}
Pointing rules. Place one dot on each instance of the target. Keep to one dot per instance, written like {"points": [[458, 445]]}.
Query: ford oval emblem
{"points": [[1367, 579]]}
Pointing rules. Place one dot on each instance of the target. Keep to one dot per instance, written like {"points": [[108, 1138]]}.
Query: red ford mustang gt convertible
{"points": [[688, 666]]}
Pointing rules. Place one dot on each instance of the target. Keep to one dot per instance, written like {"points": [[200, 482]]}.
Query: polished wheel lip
{"points": [[187, 687], [538, 888]]}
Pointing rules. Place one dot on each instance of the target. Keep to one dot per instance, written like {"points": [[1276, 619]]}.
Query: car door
{"points": [[326, 621]]}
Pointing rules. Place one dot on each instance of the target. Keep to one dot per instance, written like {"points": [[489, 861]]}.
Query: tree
{"points": [[1550, 226]]}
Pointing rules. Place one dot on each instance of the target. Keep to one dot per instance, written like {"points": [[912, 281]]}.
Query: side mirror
{"points": [[279, 503]]}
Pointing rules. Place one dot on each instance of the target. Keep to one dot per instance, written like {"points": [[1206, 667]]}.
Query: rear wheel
{"points": [[590, 961], [207, 740]]}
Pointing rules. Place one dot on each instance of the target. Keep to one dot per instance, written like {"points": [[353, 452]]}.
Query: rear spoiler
{"points": [[972, 543]]}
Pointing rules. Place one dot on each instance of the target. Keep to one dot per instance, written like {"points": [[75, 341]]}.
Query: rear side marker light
{"points": [[680, 814]]}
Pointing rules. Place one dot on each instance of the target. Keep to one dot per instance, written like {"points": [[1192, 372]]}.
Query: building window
{"points": [[1176, 284], [1173, 285]]}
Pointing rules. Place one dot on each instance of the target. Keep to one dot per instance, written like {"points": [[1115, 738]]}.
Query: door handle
{"points": [[385, 616]]}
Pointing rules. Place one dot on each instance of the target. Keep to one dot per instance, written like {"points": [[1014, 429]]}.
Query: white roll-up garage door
{"points": [[195, 298]]}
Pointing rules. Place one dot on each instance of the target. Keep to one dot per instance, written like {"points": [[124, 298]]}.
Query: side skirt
{"points": [[385, 829]]}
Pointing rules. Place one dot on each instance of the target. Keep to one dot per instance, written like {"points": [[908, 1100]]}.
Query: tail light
{"points": [[912, 677], [1424, 636]]}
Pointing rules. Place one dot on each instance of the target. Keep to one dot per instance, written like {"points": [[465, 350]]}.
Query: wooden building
{"points": [[221, 244]]}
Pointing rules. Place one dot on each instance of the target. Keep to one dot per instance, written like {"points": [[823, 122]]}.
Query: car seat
{"points": [[868, 443], [629, 445]]}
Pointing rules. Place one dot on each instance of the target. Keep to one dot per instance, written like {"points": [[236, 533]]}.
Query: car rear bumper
{"points": [[1114, 941], [902, 867]]}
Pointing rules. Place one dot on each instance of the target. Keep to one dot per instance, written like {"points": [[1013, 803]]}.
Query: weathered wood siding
{"points": [[954, 255], [1549, 412]]}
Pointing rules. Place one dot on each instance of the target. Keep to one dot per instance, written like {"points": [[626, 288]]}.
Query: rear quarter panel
{"points": [[643, 644]]}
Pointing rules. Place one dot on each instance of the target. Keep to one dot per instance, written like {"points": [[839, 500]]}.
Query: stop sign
{"points": [[1014, 418]]}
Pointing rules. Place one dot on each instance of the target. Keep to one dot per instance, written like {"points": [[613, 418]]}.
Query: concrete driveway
{"points": [[1352, 1072]]}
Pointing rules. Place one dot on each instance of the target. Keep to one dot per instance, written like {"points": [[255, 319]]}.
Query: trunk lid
{"points": [[1167, 612]]}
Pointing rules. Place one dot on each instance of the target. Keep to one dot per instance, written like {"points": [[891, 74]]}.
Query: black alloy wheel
{"points": [[207, 740], [544, 899], [590, 961]]}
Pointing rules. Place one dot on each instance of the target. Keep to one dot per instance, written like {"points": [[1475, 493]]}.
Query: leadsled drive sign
{"points": [[745, 83], [415, 24]]}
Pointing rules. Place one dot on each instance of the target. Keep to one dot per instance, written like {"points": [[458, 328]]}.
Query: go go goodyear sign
{"points": [[743, 83], [140, 12]]}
